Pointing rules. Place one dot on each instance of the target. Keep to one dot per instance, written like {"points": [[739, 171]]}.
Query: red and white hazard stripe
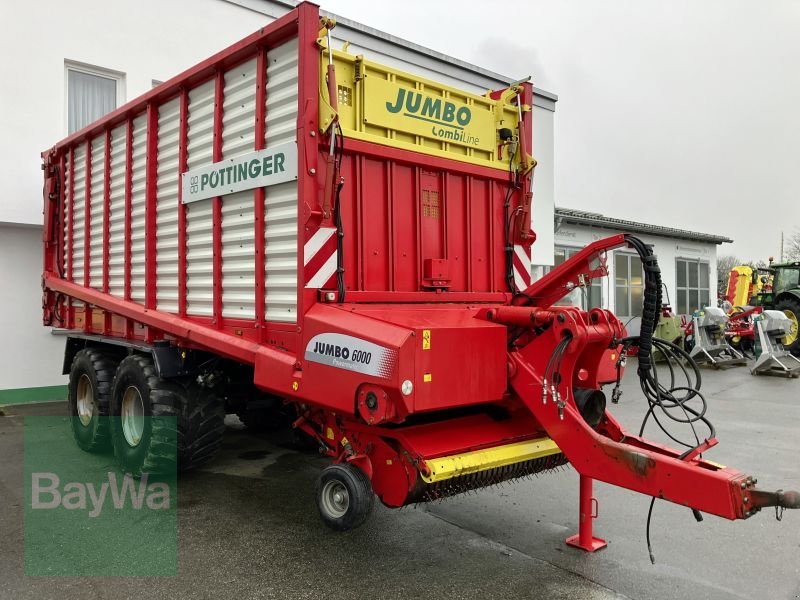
{"points": [[319, 257], [522, 266]]}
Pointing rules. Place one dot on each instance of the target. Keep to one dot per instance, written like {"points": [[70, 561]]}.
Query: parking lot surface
{"points": [[248, 528]]}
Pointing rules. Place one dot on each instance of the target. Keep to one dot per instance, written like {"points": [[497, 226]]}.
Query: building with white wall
{"points": [[74, 61], [688, 262]]}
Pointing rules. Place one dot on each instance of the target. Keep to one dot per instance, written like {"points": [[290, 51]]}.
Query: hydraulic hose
{"points": [[651, 305]]}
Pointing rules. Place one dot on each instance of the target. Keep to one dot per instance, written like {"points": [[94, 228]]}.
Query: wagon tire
{"points": [[267, 414], [344, 496], [791, 308], [89, 399], [162, 427]]}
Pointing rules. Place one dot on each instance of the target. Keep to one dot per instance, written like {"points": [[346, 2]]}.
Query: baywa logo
{"points": [[80, 509], [48, 494], [449, 121]]}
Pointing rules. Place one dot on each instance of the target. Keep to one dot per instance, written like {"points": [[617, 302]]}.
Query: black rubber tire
{"points": [[793, 305], [267, 413], [192, 437], [257, 421], [361, 499], [100, 370]]}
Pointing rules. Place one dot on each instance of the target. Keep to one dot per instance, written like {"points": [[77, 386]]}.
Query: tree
{"points": [[791, 247], [724, 265]]}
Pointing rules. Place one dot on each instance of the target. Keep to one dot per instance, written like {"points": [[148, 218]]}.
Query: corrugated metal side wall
{"points": [[280, 202], [199, 238], [167, 182], [238, 233], [116, 218], [237, 227]]}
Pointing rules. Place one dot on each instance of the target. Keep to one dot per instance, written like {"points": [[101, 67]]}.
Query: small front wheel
{"points": [[344, 496]]}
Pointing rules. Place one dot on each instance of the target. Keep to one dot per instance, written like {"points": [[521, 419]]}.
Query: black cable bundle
{"points": [[674, 396], [652, 302], [510, 221], [337, 216], [684, 382]]}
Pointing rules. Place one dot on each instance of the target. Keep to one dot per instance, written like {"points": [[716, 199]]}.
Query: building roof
{"points": [[593, 219], [416, 52]]}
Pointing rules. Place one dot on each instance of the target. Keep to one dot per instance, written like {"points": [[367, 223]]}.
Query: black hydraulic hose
{"points": [[339, 246], [651, 304], [672, 397], [509, 223], [337, 215]]}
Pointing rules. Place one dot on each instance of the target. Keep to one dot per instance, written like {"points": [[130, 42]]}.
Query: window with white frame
{"points": [[628, 285], [692, 283], [588, 298], [91, 93]]}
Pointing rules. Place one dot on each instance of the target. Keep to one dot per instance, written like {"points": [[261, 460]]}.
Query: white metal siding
{"points": [[138, 167], [238, 233], [78, 214], [167, 207], [238, 217], [116, 217], [199, 236], [280, 203]]}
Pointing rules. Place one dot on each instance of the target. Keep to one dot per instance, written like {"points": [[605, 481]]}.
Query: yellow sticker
{"points": [[714, 464], [426, 339], [295, 385], [613, 356], [426, 378], [389, 462], [462, 119], [329, 433], [344, 441]]}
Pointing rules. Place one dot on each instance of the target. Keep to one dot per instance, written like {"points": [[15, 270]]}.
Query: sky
{"points": [[679, 113]]}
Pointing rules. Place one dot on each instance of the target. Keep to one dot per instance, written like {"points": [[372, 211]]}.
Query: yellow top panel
{"points": [[386, 106]]}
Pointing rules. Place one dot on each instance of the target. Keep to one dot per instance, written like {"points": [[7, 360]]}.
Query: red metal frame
{"points": [[106, 223], [182, 157], [61, 253], [87, 237], [309, 177], [128, 208], [258, 196], [219, 97], [150, 212], [70, 235]]}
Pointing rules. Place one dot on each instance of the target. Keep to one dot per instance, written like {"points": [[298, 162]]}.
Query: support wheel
{"points": [[161, 426], [344, 496], [89, 398], [791, 308]]}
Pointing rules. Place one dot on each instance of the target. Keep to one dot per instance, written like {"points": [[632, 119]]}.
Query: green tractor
{"points": [[783, 294]]}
